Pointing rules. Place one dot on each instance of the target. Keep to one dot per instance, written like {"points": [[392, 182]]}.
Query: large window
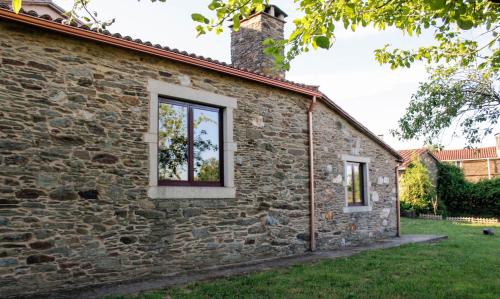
{"points": [[355, 180], [189, 144]]}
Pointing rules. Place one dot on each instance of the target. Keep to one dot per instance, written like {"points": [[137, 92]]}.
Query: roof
{"points": [[47, 3], [410, 153], [81, 31], [467, 154]]}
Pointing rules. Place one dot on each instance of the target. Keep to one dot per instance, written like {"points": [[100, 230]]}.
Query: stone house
{"points": [[120, 159], [425, 156], [477, 163]]}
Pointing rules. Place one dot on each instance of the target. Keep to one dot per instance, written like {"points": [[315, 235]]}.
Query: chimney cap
{"points": [[275, 11]]}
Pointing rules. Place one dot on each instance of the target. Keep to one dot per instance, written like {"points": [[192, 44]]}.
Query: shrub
{"points": [[451, 186], [417, 191], [465, 198], [485, 197]]}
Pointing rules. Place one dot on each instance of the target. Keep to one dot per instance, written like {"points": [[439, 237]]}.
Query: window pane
{"points": [[206, 145], [349, 182], [173, 142], [357, 183]]}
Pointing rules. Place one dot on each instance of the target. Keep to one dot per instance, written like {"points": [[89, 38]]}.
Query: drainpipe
{"points": [[312, 228], [398, 212]]}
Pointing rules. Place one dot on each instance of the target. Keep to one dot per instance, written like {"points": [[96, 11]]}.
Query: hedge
{"points": [[465, 198]]}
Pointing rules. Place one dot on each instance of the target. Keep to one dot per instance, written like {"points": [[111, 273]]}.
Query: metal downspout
{"points": [[312, 228]]}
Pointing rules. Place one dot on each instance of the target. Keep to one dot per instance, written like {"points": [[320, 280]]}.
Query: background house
{"points": [[477, 164], [427, 158]]}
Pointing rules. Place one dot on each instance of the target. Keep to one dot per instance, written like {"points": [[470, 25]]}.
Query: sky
{"points": [[348, 73]]}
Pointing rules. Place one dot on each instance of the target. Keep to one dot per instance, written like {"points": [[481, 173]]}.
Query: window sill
{"points": [[178, 192], [357, 209]]}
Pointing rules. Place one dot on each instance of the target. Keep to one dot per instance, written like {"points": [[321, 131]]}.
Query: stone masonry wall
{"points": [[333, 136], [432, 166], [72, 117]]}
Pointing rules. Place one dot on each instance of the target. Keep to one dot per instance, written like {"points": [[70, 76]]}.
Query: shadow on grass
{"points": [[464, 266]]}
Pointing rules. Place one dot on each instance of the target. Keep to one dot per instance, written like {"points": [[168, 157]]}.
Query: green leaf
{"points": [[236, 22], [437, 4], [465, 24], [214, 5], [199, 18], [322, 42], [16, 5]]}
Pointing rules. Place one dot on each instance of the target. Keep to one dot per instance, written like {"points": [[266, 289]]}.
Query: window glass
{"points": [[173, 142], [355, 183], [349, 182], [189, 144], [206, 145]]}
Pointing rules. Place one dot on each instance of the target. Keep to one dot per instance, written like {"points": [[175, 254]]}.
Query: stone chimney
{"points": [[497, 137], [247, 50]]}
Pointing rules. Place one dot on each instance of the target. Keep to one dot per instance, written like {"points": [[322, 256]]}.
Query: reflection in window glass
{"points": [[349, 182], [173, 142], [355, 183], [206, 145]]}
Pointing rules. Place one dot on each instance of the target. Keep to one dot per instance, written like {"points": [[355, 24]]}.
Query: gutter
{"points": [[312, 224]]}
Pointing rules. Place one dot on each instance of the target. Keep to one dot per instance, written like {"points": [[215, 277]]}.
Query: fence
{"points": [[460, 219], [430, 217]]}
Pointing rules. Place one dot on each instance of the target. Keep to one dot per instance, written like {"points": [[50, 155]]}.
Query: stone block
{"points": [[8, 262], [39, 259]]}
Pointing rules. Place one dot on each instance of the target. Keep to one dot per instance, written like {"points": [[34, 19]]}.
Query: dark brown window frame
{"points": [[362, 183], [190, 106]]}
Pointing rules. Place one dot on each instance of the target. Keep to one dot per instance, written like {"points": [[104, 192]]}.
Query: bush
{"points": [[451, 186], [417, 192], [465, 198]]}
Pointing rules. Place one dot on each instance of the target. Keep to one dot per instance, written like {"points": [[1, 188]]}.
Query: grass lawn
{"points": [[465, 266]]}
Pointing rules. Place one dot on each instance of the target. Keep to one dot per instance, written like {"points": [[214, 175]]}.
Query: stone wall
{"points": [[73, 171], [432, 166], [334, 137]]}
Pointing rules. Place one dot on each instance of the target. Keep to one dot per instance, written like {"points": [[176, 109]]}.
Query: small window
{"points": [[189, 144], [355, 180]]}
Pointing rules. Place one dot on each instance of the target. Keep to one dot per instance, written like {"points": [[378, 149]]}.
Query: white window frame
{"points": [[158, 89], [367, 207]]}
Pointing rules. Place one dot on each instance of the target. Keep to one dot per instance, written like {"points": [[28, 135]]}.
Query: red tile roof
{"points": [[82, 31], [467, 154], [410, 153]]}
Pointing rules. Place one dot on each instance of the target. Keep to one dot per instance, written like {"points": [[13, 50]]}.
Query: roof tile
{"points": [[467, 154], [408, 155]]}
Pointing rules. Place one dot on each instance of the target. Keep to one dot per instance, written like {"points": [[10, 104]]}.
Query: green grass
{"points": [[467, 265]]}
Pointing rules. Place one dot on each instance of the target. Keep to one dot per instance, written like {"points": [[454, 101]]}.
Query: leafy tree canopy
{"points": [[467, 100]]}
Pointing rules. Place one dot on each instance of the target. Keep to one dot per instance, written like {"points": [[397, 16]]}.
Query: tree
{"points": [[453, 97], [209, 170], [417, 190], [449, 20]]}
